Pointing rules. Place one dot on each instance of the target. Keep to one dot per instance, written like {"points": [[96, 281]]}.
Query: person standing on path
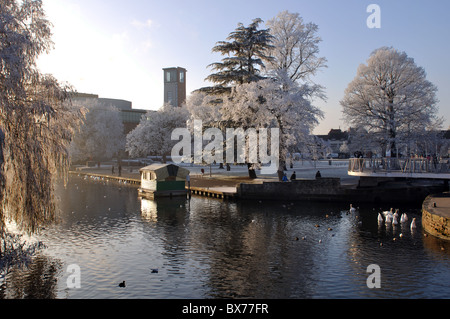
{"points": [[188, 180]]}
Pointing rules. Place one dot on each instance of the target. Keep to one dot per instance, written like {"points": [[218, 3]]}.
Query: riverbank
{"points": [[214, 176], [334, 185]]}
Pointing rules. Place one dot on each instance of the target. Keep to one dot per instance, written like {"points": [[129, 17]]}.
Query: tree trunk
{"points": [[281, 169], [391, 128], [2, 182], [283, 150], [280, 173]]}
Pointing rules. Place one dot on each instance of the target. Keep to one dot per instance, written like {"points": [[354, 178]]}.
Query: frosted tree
{"points": [[36, 125], [101, 136], [427, 141], [388, 97], [344, 149], [295, 61], [361, 143], [265, 104], [419, 140], [295, 49], [287, 53], [316, 148], [246, 50], [202, 106], [153, 134], [205, 108]]}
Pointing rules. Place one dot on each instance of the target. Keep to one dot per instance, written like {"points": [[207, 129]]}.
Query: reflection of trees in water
{"points": [[23, 273], [37, 281], [14, 252], [251, 246]]}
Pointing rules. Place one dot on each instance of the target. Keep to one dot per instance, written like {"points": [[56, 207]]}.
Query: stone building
{"points": [[130, 117]]}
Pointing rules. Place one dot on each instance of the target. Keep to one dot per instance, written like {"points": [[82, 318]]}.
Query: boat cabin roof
{"points": [[162, 171]]}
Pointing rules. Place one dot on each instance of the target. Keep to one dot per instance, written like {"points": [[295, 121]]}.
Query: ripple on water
{"points": [[219, 249]]}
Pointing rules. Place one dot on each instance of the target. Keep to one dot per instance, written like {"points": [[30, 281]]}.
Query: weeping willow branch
{"points": [[37, 121]]}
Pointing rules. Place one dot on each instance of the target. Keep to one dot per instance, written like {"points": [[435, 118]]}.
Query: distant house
{"points": [[336, 138]]}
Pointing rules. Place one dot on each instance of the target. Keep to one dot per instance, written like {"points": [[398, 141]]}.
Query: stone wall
{"points": [[436, 221], [330, 189], [320, 188]]}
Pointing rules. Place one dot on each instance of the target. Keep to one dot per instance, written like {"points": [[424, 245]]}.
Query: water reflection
{"points": [[37, 281], [149, 210], [241, 249], [208, 248]]}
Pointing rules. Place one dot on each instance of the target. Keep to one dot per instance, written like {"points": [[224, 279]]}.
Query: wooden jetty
{"points": [[215, 192]]}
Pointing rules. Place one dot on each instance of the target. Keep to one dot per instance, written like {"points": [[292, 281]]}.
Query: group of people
{"points": [[294, 176], [285, 179]]}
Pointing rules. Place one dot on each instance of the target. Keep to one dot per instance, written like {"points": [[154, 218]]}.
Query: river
{"points": [[208, 248]]}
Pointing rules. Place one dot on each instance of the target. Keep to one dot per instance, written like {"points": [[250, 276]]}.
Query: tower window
{"points": [[181, 77]]}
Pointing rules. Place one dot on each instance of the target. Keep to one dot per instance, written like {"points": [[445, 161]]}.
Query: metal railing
{"points": [[403, 165]]}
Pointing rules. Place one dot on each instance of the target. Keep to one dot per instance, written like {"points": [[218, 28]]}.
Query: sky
{"points": [[117, 49]]}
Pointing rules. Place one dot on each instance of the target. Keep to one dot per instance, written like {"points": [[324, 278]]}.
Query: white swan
{"points": [[380, 218], [388, 218], [394, 221], [352, 209], [396, 213], [405, 218], [413, 223], [389, 212]]}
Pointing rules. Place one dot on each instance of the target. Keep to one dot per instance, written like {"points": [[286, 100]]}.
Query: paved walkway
{"points": [[442, 205]]}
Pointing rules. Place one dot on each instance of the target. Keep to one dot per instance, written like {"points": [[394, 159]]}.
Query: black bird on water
{"points": [[122, 284]]}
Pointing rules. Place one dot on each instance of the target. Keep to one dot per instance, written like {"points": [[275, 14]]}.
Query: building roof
{"points": [[163, 171], [174, 68], [335, 134]]}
